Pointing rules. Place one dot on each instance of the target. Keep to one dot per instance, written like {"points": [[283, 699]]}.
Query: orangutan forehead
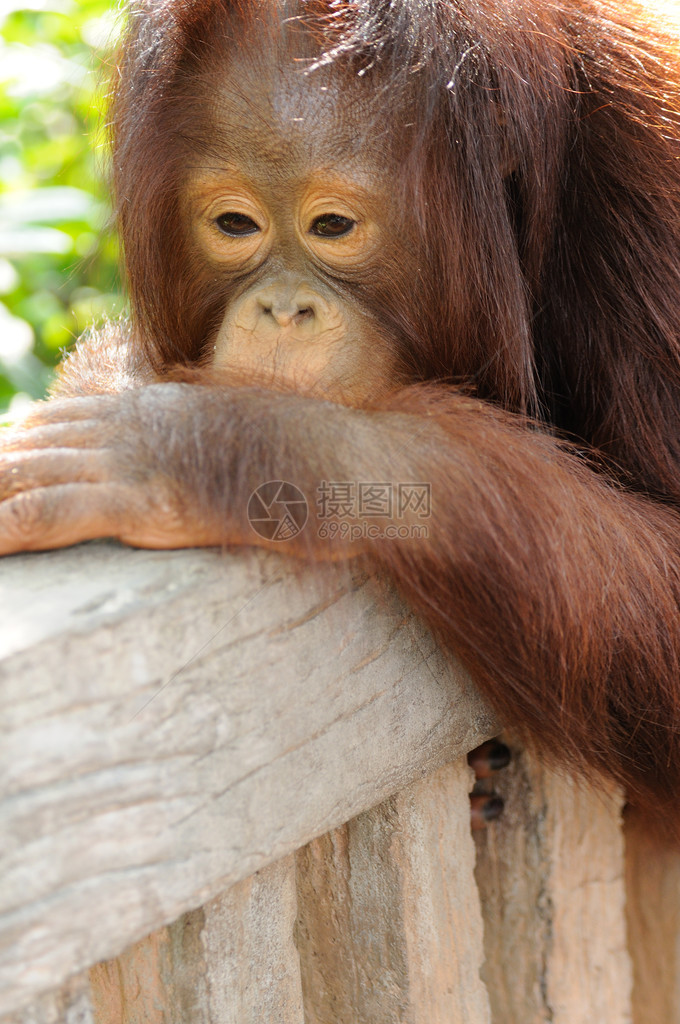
{"points": [[269, 106]]}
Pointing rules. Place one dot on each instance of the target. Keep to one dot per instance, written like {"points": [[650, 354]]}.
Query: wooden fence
{"points": [[231, 795]]}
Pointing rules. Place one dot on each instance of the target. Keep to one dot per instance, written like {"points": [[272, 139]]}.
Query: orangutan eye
{"points": [[332, 225], [236, 225]]}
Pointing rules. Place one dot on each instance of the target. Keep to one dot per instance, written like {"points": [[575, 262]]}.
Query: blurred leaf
{"points": [[58, 258], [47, 204], [21, 240], [16, 338], [8, 7]]}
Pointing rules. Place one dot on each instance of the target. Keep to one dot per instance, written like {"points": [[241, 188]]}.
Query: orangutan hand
{"points": [[81, 468]]}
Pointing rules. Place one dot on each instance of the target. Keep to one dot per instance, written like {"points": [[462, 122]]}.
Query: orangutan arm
{"points": [[556, 588]]}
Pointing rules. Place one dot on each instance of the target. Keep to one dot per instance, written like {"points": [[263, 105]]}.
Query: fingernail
{"points": [[493, 808], [499, 756], [485, 808], [489, 757]]}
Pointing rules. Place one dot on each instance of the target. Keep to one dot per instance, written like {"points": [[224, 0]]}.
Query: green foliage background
{"points": [[58, 254]]}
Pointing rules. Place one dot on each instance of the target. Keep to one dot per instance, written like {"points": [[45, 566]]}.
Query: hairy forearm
{"points": [[558, 589], [513, 510]]}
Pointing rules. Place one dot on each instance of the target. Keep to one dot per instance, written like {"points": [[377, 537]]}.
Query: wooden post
{"points": [[70, 1004], [231, 962], [551, 880], [390, 929], [175, 721], [653, 912]]}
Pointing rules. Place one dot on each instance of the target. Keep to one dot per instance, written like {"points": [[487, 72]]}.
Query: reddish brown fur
{"points": [[554, 290]]}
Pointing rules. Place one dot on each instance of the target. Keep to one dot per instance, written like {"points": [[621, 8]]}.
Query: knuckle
{"points": [[26, 517], [13, 476], [24, 471], [11, 479]]}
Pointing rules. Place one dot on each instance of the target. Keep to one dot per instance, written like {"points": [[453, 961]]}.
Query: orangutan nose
{"points": [[289, 312], [286, 305]]}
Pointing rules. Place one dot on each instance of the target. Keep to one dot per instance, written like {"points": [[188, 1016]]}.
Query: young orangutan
{"points": [[406, 242]]}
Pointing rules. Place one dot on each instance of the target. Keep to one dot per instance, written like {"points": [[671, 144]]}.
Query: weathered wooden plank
{"points": [[551, 880], [70, 1004], [390, 929], [653, 915], [173, 722], [232, 961]]}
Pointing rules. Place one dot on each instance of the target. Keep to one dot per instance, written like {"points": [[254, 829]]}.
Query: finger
{"points": [[69, 410], [484, 808], [489, 758], [55, 517], [81, 434], [26, 471]]}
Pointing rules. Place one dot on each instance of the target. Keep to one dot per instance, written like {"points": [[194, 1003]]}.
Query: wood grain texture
{"points": [[173, 722], [551, 881], [70, 1004], [390, 929], [653, 915], [232, 961]]}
